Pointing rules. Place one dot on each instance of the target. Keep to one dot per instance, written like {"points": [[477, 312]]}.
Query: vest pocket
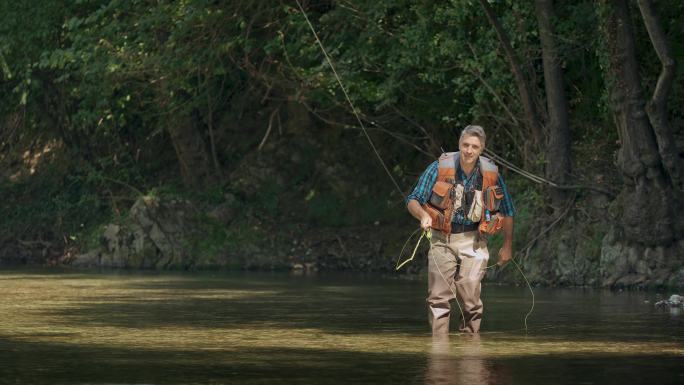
{"points": [[493, 196], [476, 207], [440, 194], [438, 220]]}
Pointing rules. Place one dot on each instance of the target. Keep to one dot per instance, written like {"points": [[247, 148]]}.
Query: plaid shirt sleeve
{"points": [[421, 192], [506, 207]]}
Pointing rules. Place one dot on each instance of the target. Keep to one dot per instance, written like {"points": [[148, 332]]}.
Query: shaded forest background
{"points": [[202, 134]]}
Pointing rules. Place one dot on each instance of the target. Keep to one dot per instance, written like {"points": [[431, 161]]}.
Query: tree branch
{"points": [[268, 130], [657, 106]]}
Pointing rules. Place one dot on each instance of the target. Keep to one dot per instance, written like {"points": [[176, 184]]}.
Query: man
{"points": [[462, 198]]}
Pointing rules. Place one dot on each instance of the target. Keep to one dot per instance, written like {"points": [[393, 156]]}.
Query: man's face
{"points": [[471, 148]]}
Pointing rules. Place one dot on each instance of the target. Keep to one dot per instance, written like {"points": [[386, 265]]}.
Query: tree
{"points": [[558, 126], [649, 202], [532, 118], [657, 106], [553, 137]]}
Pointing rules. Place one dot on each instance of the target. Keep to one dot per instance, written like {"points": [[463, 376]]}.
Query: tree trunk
{"points": [[646, 226], [638, 156], [558, 127], [531, 113], [657, 107], [191, 151]]}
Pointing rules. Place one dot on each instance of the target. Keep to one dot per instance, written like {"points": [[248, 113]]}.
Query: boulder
{"points": [[154, 236], [675, 300], [223, 213]]}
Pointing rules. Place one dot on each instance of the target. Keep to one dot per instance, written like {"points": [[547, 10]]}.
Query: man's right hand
{"points": [[426, 222], [420, 214]]}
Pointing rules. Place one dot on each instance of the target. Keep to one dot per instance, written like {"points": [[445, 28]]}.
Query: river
{"points": [[255, 328]]}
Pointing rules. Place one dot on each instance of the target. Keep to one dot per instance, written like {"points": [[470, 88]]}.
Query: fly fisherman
{"points": [[462, 198]]}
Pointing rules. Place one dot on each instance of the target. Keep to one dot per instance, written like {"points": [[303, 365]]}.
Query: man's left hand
{"points": [[505, 254]]}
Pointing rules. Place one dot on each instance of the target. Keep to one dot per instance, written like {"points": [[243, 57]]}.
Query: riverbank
{"points": [[310, 215]]}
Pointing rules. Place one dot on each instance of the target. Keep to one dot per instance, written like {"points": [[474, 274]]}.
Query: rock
{"points": [[224, 213], [599, 201], [154, 236], [630, 280], [622, 263], [110, 236], [611, 256], [675, 300], [89, 259], [166, 225]]}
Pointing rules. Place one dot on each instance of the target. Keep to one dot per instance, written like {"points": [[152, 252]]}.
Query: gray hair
{"points": [[473, 130]]}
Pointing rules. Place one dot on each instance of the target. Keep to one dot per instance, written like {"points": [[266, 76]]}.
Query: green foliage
{"points": [[105, 78], [325, 209], [209, 241], [52, 205]]}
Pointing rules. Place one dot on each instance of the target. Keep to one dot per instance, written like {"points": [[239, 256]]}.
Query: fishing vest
{"points": [[447, 196]]}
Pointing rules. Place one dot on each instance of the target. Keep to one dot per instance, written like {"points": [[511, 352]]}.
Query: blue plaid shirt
{"points": [[423, 189]]}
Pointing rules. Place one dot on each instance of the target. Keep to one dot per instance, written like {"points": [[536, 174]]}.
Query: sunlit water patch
{"points": [[121, 328]]}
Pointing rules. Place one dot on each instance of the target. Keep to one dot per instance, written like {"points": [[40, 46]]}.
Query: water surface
{"points": [[133, 328]]}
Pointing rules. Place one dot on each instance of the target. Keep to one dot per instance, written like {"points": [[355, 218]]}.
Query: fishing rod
{"points": [[377, 154]]}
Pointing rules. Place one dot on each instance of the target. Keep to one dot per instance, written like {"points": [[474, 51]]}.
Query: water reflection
{"points": [[255, 329], [458, 360], [440, 369]]}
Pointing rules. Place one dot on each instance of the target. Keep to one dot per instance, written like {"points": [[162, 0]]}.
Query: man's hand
{"points": [[420, 214], [426, 222], [505, 254]]}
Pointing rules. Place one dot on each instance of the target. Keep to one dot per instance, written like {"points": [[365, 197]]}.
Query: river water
{"points": [[249, 328]]}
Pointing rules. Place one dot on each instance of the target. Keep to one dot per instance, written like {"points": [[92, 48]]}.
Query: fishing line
{"points": [[531, 291], [529, 286], [401, 192], [358, 118], [346, 95], [428, 234], [425, 233]]}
